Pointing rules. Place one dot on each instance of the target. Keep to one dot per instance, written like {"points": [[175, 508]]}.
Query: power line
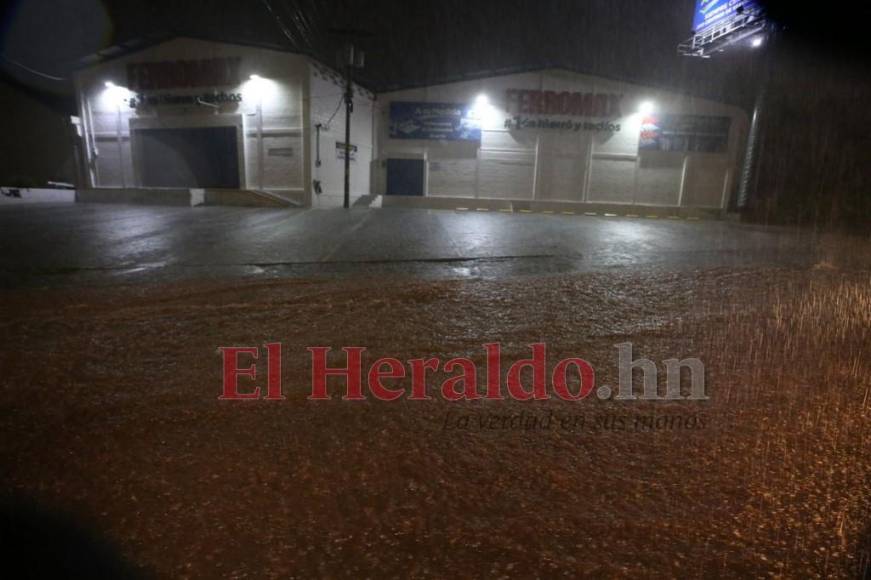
{"points": [[30, 70], [333, 116]]}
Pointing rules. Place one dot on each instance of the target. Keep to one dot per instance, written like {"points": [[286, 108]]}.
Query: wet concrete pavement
{"points": [[94, 243]]}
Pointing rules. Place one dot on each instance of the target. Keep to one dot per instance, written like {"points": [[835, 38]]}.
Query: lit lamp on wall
{"points": [[254, 85], [258, 89], [646, 108], [115, 95], [483, 111]]}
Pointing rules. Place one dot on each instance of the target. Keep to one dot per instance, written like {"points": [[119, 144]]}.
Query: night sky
{"points": [[407, 42], [412, 42]]}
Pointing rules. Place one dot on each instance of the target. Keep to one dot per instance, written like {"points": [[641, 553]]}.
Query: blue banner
{"points": [[696, 133], [449, 121], [712, 13]]}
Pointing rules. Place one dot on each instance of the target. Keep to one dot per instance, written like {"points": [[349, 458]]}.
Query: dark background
{"points": [[815, 151]]}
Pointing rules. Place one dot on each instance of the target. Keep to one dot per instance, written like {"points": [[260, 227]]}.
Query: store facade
{"points": [[194, 115], [557, 137], [188, 116]]}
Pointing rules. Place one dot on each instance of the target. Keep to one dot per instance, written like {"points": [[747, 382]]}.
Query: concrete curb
{"points": [[553, 207], [183, 197]]}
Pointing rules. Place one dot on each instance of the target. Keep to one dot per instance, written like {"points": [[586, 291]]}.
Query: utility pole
{"points": [[746, 185], [353, 57], [349, 108], [750, 155]]}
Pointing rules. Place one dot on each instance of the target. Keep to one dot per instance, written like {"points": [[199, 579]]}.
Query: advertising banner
{"points": [[712, 13], [448, 121], [698, 133]]}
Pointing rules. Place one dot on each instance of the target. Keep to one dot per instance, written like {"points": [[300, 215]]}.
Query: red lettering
{"points": [[614, 109], [419, 367], [468, 379], [232, 70], [395, 371], [494, 370], [520, 101], [576, 104], [512, 100], [232, 372], [550, 102], [525, 101], [352, 373], [537, 364], [588, 105], [600, 106], [164, 75], [144, 74], [273, 372], [537, 102], [560, 381], [132, 80], [564, 103]]}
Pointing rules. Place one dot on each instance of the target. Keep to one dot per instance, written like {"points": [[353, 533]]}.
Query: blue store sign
{"points": [[449, 121]]}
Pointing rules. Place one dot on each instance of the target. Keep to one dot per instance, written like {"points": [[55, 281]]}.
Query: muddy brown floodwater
{"points": [[109, 412]]}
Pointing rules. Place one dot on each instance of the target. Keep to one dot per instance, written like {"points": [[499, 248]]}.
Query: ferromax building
{"points": [[196, 121]]}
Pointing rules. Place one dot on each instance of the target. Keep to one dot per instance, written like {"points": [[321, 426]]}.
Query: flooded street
{"points": [[110, 413], [98, 244]]}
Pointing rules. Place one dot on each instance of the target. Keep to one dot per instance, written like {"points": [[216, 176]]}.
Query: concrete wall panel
{"points": [[612, 180], [453, 177], [505, 175], [659, 177]]}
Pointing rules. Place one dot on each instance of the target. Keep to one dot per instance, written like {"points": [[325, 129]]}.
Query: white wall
{"points": [[270, 115], [551, 164], [325, 94]]}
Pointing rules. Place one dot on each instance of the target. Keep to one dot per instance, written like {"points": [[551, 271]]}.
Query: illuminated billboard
{"points": [[711, 14]]}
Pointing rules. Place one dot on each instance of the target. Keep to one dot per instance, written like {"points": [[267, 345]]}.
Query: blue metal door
{"points": [[405, 177]]}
